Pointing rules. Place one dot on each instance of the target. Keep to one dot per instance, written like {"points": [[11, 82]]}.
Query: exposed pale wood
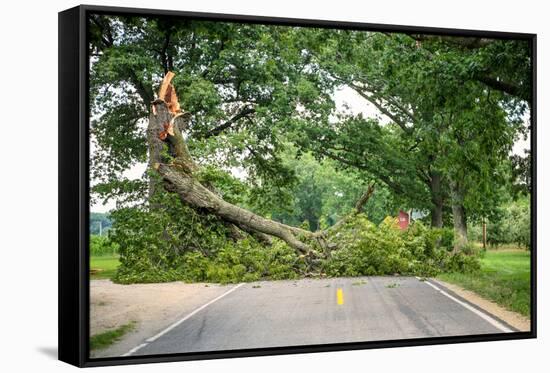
{"points": [[167, 93], [165, 84]]}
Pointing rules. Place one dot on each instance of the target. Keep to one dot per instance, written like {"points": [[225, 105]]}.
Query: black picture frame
{"points": [[74, 294]]}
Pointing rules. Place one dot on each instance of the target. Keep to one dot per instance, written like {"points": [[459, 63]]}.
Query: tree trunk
{"points": [[436, 211], [155, 146], [459, 217]]}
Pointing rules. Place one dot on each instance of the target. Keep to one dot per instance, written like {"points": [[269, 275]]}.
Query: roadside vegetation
{"points": [[504, 277], [109, 337]]}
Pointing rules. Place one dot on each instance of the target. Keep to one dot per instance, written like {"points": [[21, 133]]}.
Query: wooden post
{"points": [[484, 233]]}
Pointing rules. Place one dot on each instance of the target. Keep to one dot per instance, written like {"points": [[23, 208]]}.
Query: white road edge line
{"points": [[483, 315], [135, 349], [160, 334]]}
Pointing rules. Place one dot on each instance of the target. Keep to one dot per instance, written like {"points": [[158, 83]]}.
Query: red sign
{"points": [[403, 220]]}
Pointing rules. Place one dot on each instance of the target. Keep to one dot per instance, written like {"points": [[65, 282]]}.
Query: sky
{"points": [[346, 99]]}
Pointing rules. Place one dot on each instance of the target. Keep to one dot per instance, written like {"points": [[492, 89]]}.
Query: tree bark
{"points": [[436, 211], [459, 217], [503, 86], [155, 145], [364, 199]]}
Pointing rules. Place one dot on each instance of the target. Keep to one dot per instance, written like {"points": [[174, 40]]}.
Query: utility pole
{"points": [[100, 228]]}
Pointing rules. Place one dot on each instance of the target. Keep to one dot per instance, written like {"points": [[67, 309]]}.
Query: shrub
{"points": [[446, 237], [102, 245], [365, 249], [461, 262]]}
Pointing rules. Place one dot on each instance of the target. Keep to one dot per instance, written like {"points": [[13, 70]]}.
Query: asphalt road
{"points": [[308, 312]]}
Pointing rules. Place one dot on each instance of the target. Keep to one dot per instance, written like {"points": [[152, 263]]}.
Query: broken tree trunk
{"points": [[178, 169]]}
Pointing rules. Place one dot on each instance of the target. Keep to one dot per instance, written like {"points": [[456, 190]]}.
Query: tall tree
{"points": [[241, 83], [438, 96]]}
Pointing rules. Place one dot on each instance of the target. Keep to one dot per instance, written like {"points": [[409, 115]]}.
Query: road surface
{"points": [[320, 311]]}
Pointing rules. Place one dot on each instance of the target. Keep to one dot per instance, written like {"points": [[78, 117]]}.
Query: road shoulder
{"points": [[514, 319], [152, 307]]}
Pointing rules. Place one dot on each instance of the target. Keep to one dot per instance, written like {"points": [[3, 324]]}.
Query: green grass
{"points": [[108, 265], [105, 339], [504, 278]]}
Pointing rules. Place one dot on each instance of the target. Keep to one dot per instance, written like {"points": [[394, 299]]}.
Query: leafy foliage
{"points": [[242, 83], [157, 248], [323, 193], [367, 250], [511, 225], [102, 245], [174, 242]]}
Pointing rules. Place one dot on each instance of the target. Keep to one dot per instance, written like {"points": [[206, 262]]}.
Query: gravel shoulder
{"points": [[514, 319], [151, 306]]}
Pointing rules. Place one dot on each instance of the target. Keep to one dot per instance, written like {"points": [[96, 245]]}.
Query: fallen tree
{"points": [[195, 240]]}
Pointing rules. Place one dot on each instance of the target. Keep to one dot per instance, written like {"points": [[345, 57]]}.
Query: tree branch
{"points": [[401, 123], [362, 201], [217, 130], [463, 42], [396, 187], [501, 85]]}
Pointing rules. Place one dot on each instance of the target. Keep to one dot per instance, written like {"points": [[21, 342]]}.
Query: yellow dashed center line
{"points": [[339, 297]]}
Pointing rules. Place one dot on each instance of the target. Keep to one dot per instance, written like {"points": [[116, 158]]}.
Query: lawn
{"points": [[504, 278], [108, 265]]}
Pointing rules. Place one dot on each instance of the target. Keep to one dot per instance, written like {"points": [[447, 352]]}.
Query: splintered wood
{"points": [[167, 93], [168, 130]]}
